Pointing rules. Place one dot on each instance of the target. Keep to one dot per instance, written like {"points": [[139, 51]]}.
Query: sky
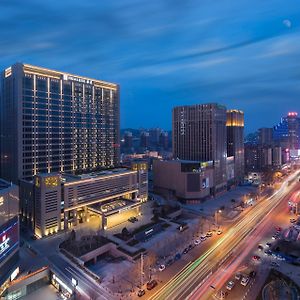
{"points": [[244, 54]]}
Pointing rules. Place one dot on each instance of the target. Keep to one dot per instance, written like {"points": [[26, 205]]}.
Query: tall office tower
{"points": [[265, 136], [144, 139], [54, 121], [235, 141], [287, 132], [199, 134]]}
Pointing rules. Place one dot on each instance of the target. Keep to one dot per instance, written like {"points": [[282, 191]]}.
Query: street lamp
{"points": [[216, 216]]}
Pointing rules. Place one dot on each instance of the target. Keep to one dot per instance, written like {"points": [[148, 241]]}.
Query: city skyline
{"points": [[260, 50]]}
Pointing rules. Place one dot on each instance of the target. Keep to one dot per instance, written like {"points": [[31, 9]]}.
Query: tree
{"points": [[125, 232]]}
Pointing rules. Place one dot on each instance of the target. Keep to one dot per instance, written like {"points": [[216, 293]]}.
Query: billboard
{"points": [[9, 238]]}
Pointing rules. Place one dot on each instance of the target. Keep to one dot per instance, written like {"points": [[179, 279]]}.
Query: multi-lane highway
{"points": [[186, 283]]}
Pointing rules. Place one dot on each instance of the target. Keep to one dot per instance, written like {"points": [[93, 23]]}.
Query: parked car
{"points": [[230, 285], [278, 228], [252, 274], [161, 268], [197, 242], [260, 247], [219, 232], [256, 257], [269, 245], [275, 264], [222, 295], [151, 284], [245, 280], [238, 276], [268, 252], [185, 251], [203, 238], [141, 293], [292, 220], [209, 234]]}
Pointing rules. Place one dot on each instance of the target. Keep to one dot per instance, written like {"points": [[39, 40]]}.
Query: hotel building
{"points": [[52, 202], [56, 122]]}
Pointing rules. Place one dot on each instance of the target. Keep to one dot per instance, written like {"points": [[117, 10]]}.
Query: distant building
{"points": [[265, 136], [53, 202], [199, 134], [145, 139], [187, 180], [56, 122], [287, 132], [9, 232], [235, 142], [164, 140], [128, 140], [154, 135]]}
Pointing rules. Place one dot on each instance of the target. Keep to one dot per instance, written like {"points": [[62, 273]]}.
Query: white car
{"points": [[161, 268], [238, 276], [230, 285], [197, 242], [219, 232], [245, 280]]}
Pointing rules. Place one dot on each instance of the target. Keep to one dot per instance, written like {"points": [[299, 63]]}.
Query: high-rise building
{"points": [[199, 134], [287, 132], [235, 141], [265, 136], [56, 122]]}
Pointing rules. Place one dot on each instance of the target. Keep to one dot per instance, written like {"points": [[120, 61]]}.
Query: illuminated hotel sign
{"points": [[4, 243], [77, 79], [9, 238]]}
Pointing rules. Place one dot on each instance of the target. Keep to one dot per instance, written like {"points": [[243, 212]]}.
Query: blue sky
{"points": [[244, 53]]}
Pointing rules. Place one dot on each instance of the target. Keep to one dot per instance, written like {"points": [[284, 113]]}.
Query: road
{"points": [[188, 281], [87, 287]]}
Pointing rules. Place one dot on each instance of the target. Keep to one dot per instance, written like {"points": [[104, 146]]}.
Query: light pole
{"points": [[74, 283], [216, 216]]}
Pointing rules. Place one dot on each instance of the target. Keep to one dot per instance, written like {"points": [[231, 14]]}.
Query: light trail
{"points": [[183, 285]]}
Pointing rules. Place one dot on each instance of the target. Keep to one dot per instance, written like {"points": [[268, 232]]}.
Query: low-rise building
{"points": [[53, 202], [190, 180]]}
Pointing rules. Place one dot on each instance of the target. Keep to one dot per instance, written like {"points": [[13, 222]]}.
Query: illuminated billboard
{"points": [[9, 238]]}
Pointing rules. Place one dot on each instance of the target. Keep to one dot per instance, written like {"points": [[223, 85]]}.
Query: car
{"points": [[230, 285], [141, 293], [209, 234], [274, 264], [219, 232], [260, 247], [190, 247], [278, 228], [292, 220], [131, 220], [197, 242], [161, 268], [203, 238], [256, 257], [245, 280], [169, 262], [185, 251], [252, 274], [238, 276], [222, 295], [269, 245], [151, 285], [268, 252], [275, 237]]}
